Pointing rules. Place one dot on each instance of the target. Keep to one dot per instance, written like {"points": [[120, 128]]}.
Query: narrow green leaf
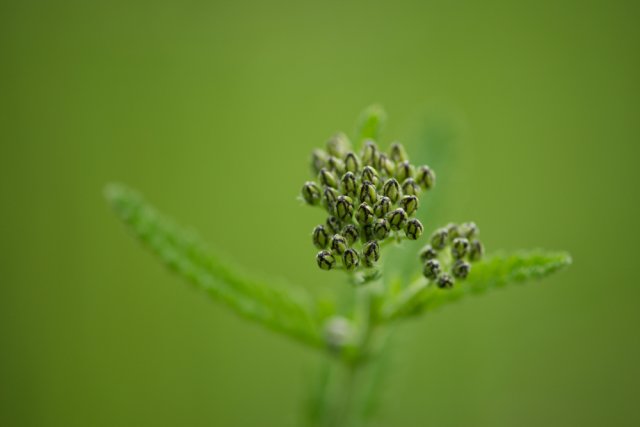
{"points": [[275, 306], [370, 123], [493, 272]]}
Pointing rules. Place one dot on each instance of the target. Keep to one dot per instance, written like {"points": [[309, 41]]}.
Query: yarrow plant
{"points": [[371, 198]]}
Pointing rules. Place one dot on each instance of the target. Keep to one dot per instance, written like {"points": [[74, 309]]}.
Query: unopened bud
{"points": [[350, 259], [439, 239], [459, 247], [461, 269], [476, 250], [351, 233], [326, 260], [385, 165], [369, 174], [333, 225], [320, 237], [382, 207], [404, 170], [469, 230], [381, 229], [337, 333], [445, 281], [338, 244], [391, 189], [425, 177], [409, 204], [336, 165], [453, 231], [311, 193], [410, 187], [338, 145], [427, 253], [397, 152], [327, 178], [431, 269], [397, 219], [349, 185], [369, 153], [364, 215], [371, 253], [329, 199], [413, 229], [351, 163], [368, 193], [344, 208], [318, 160]]}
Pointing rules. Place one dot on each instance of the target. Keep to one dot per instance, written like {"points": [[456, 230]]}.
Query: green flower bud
{"points": [[427, 253], [382, 207], [381, 229], [453, 231], [333, 225], [367, 233], [369, 174], [329, 199], [351, 163], [459, 247], [327, 179], [364, 215], [320, 237], [350, 259], [318, 160], [371, 253], [439, 239], [469, 230], [404, 170], [325, 260], [410, 187], [413, 230], [425, 177], [336, 165], [461, 269], [337, 333], [311, 193], [385, 165], [351, 233], [338, 244], [431, 269], [391, 189], [476, 250], [370, 153], [338, 145], [409, 204], [368, 193], [397, 152], [344, 208], [349, 184], [397, 219], [445, 281]]}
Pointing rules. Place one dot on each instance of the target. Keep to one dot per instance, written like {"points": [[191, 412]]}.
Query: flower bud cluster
{"points": [[370, 196], [450, 253]]}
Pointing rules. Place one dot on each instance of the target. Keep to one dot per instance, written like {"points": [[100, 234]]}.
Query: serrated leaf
{"points": [[493, 272], [288, 311]]}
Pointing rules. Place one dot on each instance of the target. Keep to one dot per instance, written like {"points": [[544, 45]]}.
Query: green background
{"points": [[211, 109]]}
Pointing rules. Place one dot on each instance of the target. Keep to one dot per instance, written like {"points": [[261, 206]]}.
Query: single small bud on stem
{"points": [[397, 219], [370, 175], [427, 253], [351, 233], [311, 193], [349, 184], [320, 237], [439, 239], [326, 178], [350, 259], [381, 229], [476, 250], [325, 260], [410, 187], [461, 269], [409, 204], [431, 269], [364, 215], [445, 281], [459, 247], [425, 177], [404, 170], [413, 229], [382, 207], [391, 189], [344, 208], [371, 253], [368, 193], [351, 163], [338, 244]]}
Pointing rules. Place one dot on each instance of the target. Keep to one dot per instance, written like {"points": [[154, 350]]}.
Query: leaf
{"points": [[274, 306], [494, 272], [370, 123]]}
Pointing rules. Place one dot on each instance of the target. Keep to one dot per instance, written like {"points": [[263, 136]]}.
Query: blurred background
{"points": [[198, 104]]}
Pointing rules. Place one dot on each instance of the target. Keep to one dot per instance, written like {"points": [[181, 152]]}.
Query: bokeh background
{"points": [[211, 109]]}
